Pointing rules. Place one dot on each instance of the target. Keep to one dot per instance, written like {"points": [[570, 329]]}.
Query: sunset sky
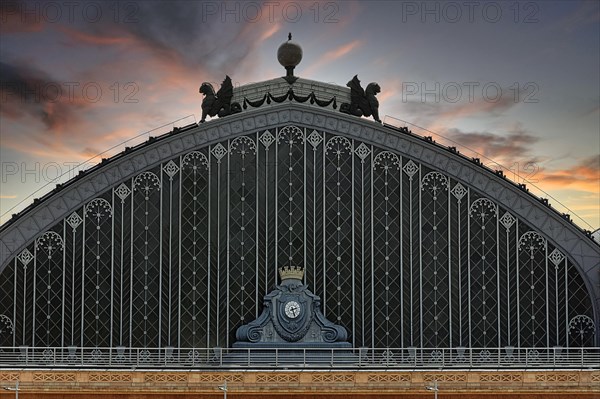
{"points": [[515, 81]]}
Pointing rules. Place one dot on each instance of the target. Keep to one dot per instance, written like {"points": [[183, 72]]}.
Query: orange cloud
{"points": [[87, 38], [334, 55], [270, 32], [583, 176]]}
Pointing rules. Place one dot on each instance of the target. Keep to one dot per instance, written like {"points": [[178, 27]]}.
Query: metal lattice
{"points": [[401, 255]]}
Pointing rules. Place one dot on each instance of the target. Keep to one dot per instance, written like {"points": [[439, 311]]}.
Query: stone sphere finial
{"points": [[289, 56]]}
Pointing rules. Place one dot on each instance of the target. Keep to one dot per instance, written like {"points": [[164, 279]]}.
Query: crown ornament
{"points": [[288, 272]]}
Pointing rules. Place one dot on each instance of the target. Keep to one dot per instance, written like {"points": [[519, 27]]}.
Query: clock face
{"points": [[292, 309]]}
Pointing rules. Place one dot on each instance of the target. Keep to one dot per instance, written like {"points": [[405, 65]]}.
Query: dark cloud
{"points": [[517, 143], [585, 13], [189, 32], [193, 33], [14, 19], [438, 106], [28, 92]]}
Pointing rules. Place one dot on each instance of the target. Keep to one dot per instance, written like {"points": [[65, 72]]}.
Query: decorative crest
{"points": [[294, 272]]}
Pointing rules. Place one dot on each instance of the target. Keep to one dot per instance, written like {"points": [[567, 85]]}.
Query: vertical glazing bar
{"points": [[566, 304], [208, 249], [170, 273], [546, 289], [121, 274], [14, 340], [498, 308], [412, 293], [353, 260], [179, 258], [35, 258], [267, 218], [420, 258], [449, 224], [131, 233], [73, 290], [276, 205], [324, 240], [112, 265], [227, 304], [469, 264], [401, 247], [314, 229], [218, 238], [81, 337], [25, 295], [460, 304], [508, 329], [63, 288], [304, 244], [556, 304], [160, 258], [362, 246], [256, 240], [518, 284], [372, 259]]}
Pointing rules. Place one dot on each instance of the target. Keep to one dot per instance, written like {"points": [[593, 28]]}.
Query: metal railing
{"points": [[349, 358]]}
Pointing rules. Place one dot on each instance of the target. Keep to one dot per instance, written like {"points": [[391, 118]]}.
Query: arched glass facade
{"points": [[401, 254]]}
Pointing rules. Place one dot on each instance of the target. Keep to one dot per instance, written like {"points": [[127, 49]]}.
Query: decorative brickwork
{"points": [[563, 377], [9, 376], [164, 377], [219, 378], [54, 377], [277, 378], [109, 377], [388, 378], [343, 384], [445, 377], [501, 377], [327, 378]]}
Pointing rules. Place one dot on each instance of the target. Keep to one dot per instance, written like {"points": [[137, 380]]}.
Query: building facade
{"points": [[155, 257]]}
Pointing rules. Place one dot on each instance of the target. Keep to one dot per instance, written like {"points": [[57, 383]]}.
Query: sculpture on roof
{"points": [[218, 103], [362, 102]]}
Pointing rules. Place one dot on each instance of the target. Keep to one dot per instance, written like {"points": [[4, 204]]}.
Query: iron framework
{"points": [[401, 255]]}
